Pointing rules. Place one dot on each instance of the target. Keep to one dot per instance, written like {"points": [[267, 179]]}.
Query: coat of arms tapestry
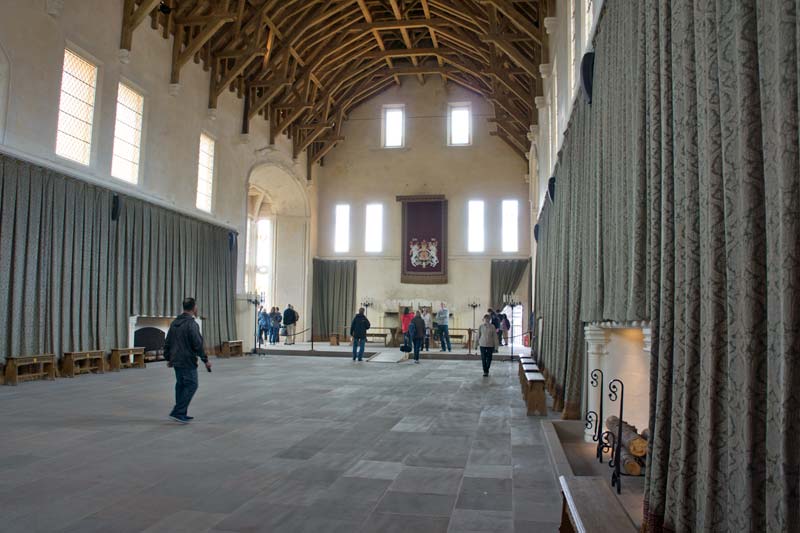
{"points": [[424, 240]]}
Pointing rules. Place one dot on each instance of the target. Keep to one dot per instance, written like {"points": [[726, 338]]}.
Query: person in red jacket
{"points": [[405, 320]]}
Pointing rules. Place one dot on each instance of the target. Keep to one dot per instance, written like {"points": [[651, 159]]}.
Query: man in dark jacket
{"points": [[290, 317], [182, 347], [417, 331], [358, 330]]}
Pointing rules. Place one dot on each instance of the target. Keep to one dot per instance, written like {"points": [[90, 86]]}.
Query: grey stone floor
{"points": [[295, 444]]}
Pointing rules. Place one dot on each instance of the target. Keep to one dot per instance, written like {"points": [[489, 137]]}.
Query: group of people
{"points": [[272, 324], [418, 327]]}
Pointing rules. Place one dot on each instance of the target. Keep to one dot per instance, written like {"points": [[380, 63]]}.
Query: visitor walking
{"points": [[428, 319], [505, 326], [487, 342], [417, 333], [290, 318], [405, 321], [182, 346], [275, 318], [263, 325], [495, 320], [443, 320], [358, 330]]}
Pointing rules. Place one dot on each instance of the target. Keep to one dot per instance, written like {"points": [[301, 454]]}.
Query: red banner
{"points": [[424, 239]]}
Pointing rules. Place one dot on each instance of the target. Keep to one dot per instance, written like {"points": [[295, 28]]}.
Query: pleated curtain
{"points": [[505, 278], [334, 297], [70, 276], [677, 201]]}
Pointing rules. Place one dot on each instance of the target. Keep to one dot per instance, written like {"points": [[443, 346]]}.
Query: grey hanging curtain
{"points": [[506, 275], [70, 276], [334, 296], [678, 202]]}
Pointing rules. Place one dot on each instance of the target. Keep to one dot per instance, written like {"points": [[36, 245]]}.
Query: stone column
{"points": [[595, 347]]}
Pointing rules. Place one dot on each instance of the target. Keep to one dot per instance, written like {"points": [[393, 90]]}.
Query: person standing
{"points": [[505, 326], [405, 321], [487, 342], [263, 325], [182, 346], [290, 318], [358, 330], [276, 318], [416, 331], [495, 320], [443, 319], [428, 319]]}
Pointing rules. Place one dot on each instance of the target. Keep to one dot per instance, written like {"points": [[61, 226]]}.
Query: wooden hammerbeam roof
{"points": [[305, 64]]}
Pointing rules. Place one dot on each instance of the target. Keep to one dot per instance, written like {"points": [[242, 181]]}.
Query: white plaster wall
{"points": [[359, 172], [625, 359], [34, 42]]}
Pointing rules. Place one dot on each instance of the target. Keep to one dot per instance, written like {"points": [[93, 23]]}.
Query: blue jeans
{"points": [[358, 348], [185, 387], [274, 334], [444, 338], [417, 347]]}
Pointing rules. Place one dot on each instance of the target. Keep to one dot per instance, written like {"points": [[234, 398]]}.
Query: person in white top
{"points": [[487, 341], [443, 320], [428, 319]]}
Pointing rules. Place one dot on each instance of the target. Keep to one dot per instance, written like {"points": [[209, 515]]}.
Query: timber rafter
{"points": [[304, 65]]}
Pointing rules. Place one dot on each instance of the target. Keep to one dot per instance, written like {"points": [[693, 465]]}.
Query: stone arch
{"points": [[277, 190]]}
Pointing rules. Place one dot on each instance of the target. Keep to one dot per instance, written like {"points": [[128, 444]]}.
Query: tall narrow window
{"points": [[205, 173], [127, 134], [76, 108], [373, 233], [341, 232], [510, 226], [588, 19], [554, 118], [475, 239], [573, 46], [459, 125], [393, 126], [264, 258]]}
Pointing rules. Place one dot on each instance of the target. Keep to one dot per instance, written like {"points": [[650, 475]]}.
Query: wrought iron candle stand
{"points": [[595, 419], [616, 389]]}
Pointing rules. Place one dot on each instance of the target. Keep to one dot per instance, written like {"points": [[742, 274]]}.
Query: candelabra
{"points": [[366, 304], [474, 303], [510, 300]]}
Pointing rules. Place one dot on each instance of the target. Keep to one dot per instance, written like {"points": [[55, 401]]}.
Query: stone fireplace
{"points": [[621, 351]]}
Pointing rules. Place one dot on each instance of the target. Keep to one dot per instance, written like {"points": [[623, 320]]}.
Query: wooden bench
{"points": [[589, 505], [334, 339], [534, 394], [383, 337], [232, 349], [76, 363], [29, 368], [126, 358]]}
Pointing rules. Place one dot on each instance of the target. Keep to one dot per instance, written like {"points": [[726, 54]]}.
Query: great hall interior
{"points": [[572, 228]]}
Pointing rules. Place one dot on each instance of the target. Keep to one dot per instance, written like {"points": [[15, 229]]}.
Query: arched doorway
{"points": [[277, 250]]}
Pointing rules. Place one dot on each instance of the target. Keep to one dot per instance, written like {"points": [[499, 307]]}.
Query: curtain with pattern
{"points": [[678, 202]]}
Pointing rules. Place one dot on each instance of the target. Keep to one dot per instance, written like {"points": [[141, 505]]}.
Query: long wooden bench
{"points": [[534, 394], [382, 337], [232, 349], [29, 368], [589, 505], [126, 358], [77, 363]]}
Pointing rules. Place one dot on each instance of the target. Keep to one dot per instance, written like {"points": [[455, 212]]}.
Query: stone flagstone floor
{"points": [[279, 444]]}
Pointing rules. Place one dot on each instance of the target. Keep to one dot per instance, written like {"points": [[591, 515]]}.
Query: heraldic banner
{"points": [[424, 245]]}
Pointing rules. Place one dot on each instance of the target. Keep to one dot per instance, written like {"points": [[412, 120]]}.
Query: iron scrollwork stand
{"points": [[595, 419], [616, 390]]}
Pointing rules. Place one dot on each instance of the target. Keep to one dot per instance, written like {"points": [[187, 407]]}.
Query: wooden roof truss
{"points": [[304, 65]]}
